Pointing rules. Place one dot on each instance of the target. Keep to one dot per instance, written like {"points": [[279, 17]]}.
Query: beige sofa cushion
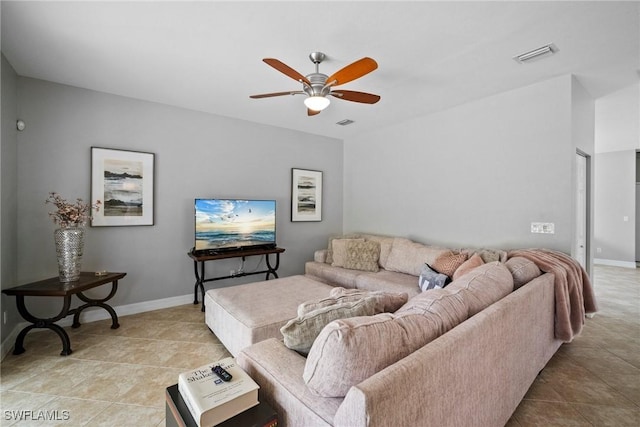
{"points": [[300, 333], [473, 262], [409, 257], [334, 276], [348, 351], [523, 270], [384, 301], [483, 286], [356, 254]]}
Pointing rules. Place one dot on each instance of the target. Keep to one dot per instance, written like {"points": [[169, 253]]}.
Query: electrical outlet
{"points": [[599, 250], [543, 227]]}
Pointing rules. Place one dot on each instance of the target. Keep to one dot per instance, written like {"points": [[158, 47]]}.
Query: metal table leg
{"points": [[43, 323]]}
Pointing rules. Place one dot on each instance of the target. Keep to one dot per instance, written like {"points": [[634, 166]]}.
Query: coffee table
{"points": [[52, 287]]}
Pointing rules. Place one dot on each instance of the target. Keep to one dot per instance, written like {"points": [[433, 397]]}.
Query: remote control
{"points": [[221, 373]]}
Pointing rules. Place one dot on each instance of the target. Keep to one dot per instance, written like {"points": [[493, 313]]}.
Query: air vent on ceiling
{"points": [[345, 122], [538, 53]]}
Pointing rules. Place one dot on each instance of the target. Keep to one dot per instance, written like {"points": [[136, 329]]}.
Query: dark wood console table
{"points": [[54, 288], [241, 253]]}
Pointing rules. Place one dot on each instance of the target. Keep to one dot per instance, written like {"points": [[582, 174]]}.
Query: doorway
{"points": [[581, 245]]}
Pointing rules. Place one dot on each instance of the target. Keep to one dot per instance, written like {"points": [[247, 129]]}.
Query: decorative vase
{"points": [[69, 246]]}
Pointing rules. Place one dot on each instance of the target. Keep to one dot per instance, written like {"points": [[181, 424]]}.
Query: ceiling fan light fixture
{"points": [[317, 103]]}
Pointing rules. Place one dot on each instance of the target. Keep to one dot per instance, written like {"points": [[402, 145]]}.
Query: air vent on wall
{"points": [[345, 122], [538, 53]]}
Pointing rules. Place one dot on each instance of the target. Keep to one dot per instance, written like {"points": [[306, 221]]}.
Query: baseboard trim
{"points": [[614, 263], [93, 315]]}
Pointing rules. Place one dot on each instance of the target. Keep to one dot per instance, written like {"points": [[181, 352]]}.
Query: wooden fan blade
{"points": [[352, 71], [268, 95], [312, 112], [285, 69], [350, 95]]}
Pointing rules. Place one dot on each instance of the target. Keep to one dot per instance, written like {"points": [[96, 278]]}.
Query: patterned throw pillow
{"points": [[449, 263], [300, 333], [385, 301], [356, 254], [430, 279], [329, 258]]}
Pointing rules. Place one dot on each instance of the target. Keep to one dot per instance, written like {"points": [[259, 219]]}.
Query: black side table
{"points": [[178, 415]]}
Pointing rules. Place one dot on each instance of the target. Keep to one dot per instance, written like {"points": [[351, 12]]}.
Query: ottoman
{"points": [[246, 314]]}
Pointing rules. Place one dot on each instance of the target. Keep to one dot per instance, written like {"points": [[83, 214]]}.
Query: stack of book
{"points": [[210, 399]]}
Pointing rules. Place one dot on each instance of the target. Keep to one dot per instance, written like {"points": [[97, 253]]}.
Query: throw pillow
{"points": [[339, 253], [430, 279], [522, 270], [385, 246], [488, 255], [329, 258], [449, 263], [468, 265], [300, 333], [385, 301], [356, 254]]}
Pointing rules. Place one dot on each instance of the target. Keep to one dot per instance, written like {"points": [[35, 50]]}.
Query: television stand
{"points": [[239, 253]]}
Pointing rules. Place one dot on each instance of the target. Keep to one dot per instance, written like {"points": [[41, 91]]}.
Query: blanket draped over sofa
{"points": [[573, 291]]}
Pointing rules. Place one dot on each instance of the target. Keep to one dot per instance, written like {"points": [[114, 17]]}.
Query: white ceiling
{"points": [[206, 55]]}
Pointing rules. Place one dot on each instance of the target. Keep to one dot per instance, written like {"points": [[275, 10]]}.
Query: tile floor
{"points": [[118, 377]]}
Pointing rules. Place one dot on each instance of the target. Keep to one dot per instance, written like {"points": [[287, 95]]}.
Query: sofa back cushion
{"points": [[473, 262], [523, 270], [483, 286], [408, 257], [348, 351]]}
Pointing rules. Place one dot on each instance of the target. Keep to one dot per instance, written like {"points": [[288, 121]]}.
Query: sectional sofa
{"points": [[464, 355]]}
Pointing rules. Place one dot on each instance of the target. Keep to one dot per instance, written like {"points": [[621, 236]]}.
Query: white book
{"points": [[211, 400]]}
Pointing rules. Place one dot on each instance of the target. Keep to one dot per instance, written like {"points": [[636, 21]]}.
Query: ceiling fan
{"points": [[318, 87]]}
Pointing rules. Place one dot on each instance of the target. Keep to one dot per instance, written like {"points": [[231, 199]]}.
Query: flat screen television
{"points": [[231, 224]]}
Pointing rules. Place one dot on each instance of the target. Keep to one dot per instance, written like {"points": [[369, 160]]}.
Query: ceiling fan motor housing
{"points": [[317, 87]]}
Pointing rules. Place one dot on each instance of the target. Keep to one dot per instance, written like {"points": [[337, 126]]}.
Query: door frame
{"points": [[587, 210]]}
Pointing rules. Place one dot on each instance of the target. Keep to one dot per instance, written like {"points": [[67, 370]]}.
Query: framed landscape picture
{"points": [[123, 182], [306, 195]]}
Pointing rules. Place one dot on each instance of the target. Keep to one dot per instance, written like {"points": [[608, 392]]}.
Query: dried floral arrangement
{"points": [[70, 214]]}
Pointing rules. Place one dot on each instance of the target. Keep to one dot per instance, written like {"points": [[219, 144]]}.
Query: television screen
{"points": [[223, 224]]}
